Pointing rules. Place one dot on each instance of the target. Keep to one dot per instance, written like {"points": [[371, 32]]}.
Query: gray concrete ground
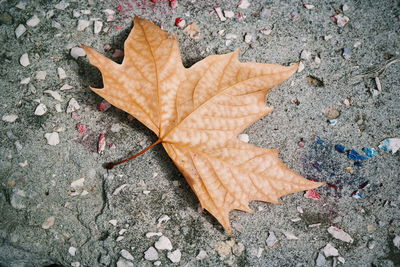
{"points": [[59, 206]]}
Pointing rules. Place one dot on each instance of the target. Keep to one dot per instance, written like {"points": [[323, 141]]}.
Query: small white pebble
{"points": [[175, 256], [328, 37], [229, 14], [20, 30], [308, 6], [300, 210], [109, 11], [86, 12], [82, 24], [55, 24], [290, 235], [49, 222], [340, 234], [25, 80], [78, 183], [77, 52], [122, 231], [330, 251], [157, 263], [54, 94], [201, 255], [151, 254], [396, 241], [266, 31], [247, 38], [98, 25], [146, 192], [72, 105], [345, 7], [58, 107], [220, 14], [24, 60], [75, 264], [230, 36], [41, 75], [113, 222], [72, 251], [119, 189], [119, 238], [124, 253], [76, 13], [244, 138], [9, 118], [66, 87], [163, 243], [163, 219], [21, 5], [243, 4], [115, 128], [61, 73], [151, 234], [33, 22], [357, 44], [317, 60], [306, 55], [301, 67], [41, 109], [62, 5], [84, 193]]}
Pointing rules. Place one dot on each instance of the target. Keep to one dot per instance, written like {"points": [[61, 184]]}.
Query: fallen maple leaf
{"points": [[197, 113]]}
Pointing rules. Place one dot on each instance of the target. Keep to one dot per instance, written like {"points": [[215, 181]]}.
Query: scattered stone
{"points": [[41, 75], [301, 67], [49, 222], [243, 4], [238, 249], [72, 251], [41, 109], [345, 7], [396, 241], [77, 52], [72, 105], [157, 263], [248, 38], [82, 24], [115, 128], [75, 264], [320, 261], [330, 251], [101, 143], [220, 14], [223, 249], [163, 219], [55, 24], [271, 240], [61, 73], [62, 5], [201, 255], [290, 235], [20, 30], [265, 13], [124, 253], [66, 87], [9, 118], [371, 244], [33, 22], [151, 254], [113, 222], [340, 234], [53, 94], [346, 53], [230, 36], [244, 138], [124, 263], [21, 5], [78, 183], [229, 14], [266, 31], [24, 60], [175, 256], [151, 234], [98, 25], [357, 44], [331, 113], [163, 243], [317, 60], [119, 238], [119, 189], [122, 231], [341, 20], [17, 199], [58, 107], [306, 55], [328, 37], [308, 6]]}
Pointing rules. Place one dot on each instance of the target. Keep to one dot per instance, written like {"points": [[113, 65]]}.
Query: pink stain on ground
{"points": [[101, 145], [103, 105], [81, 128], [118, 53], [312, 194]]}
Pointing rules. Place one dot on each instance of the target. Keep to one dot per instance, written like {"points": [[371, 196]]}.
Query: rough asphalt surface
{"points": [[59, 207]]}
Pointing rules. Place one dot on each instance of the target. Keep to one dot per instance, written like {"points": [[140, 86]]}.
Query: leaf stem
{"points": [[111, 165]]}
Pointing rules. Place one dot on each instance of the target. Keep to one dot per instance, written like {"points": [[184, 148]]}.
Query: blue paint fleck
{"points": [[357, 195], [340, 148], [369, 152], [318, 140], [354, 155], [358, 163]]}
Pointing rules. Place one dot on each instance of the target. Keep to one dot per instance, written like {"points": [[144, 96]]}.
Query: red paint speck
{"points": [[173, 3], [118, 28], [120, 8], [180, 22], [107, 47], [103, 105], [81, 128], [101, 145], [312, 194], [333, 186]]}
